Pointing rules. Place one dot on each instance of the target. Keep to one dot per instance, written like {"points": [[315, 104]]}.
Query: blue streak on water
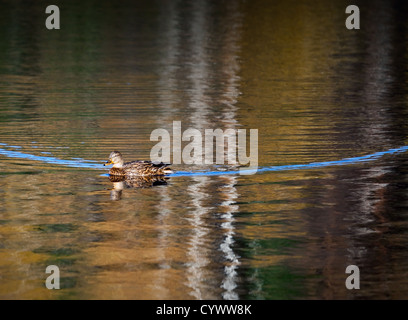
{"points": [[313, 165], [90, 164], [78, 163]]}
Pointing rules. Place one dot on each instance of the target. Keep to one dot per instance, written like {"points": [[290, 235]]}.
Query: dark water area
{"points": [[330, 190]]}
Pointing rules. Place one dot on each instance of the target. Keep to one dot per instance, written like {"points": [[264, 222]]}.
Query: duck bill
{"points": [[107, 163]]}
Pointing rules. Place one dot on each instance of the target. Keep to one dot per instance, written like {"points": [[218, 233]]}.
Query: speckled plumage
{"points": [[136, 168]]}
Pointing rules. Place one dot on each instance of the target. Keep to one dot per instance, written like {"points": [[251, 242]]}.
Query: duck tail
{"points": [[168, 170]]}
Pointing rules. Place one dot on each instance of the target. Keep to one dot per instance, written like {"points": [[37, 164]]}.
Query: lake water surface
{"points": [[330, 105]]}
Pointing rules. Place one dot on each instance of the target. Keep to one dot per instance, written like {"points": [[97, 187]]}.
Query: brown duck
{"points": [[136, 168]]}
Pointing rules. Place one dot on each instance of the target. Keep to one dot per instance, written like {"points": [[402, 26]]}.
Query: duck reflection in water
{"points": [[124, 182]]}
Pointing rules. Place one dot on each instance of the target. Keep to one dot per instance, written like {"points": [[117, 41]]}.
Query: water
{"points": [[330, 106]]}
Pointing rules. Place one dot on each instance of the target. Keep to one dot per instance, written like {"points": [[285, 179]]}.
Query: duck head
{"points": [[116, 159]]}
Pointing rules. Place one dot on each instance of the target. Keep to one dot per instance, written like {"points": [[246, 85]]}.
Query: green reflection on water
{"points": [[51, 228], [276, 282]]}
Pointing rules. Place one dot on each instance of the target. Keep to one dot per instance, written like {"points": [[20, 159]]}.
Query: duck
{"points": [[136, 168]]}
